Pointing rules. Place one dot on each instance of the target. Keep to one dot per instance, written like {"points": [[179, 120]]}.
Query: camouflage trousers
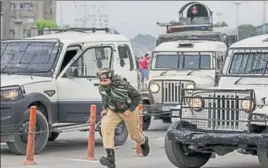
{"points": [[112, 119]]}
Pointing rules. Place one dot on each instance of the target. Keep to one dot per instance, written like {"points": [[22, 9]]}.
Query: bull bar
{"points": [[222, 121]]}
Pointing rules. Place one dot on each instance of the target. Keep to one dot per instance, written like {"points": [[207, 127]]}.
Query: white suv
{"points": [[57, 73]]}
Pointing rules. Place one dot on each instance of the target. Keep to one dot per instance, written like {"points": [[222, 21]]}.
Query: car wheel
{"points": [[19, 145], [146, 122], [262, 153], [53, 136], [182, 157], [121, 134]]}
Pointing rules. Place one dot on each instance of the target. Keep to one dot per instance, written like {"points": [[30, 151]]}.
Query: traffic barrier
{"points": [[138, 147], [31, 135], [91, 137]]}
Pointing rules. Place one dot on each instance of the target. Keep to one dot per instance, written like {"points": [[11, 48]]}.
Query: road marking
{"points": [[80, 160]]}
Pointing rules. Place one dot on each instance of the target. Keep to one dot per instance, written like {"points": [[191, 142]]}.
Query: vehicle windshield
{"points": [[24, 57], [249, 63], [183, 61]]}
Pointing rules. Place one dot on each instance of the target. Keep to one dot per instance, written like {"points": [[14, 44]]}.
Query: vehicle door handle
{"points": [[96, 84]]}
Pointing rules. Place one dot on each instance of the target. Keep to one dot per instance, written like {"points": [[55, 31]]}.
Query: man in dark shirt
{"points": [[120, 100]]}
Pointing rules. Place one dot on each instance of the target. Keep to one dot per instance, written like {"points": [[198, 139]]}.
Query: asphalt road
{"points": [[69, 151]]}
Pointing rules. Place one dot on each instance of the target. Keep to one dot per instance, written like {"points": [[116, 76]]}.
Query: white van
{"points": [[231, 116], [176, 65], [57, 73]]}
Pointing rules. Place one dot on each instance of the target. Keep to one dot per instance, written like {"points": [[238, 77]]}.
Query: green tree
{"points": [[66, 26], [42, 23], [246, 30], [220, 24]]}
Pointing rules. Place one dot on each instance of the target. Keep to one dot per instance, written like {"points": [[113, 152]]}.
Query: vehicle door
{"points": [[78, 83], [125, 64]]}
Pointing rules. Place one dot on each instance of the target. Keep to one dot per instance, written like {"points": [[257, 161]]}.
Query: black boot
{"points": [[145, 147], [108, 161]]}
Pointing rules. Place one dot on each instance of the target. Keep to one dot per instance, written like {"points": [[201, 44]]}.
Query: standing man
{"points": [[120, 100], [144, 66]]}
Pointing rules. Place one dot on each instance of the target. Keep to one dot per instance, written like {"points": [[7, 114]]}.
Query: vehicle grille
{"points": [[171, 91], [226, 114], [221, 110]]}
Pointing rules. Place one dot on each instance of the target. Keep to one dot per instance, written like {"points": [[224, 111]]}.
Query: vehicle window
{"points": [[69, 55], [3, 47], [249, 63], [191, 62], [126, 58], [92, 60], [205, 62], [38, 58], [182, 61], [167, 61]]}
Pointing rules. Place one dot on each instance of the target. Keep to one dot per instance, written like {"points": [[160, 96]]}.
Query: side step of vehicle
{"points": [[73, 127]]}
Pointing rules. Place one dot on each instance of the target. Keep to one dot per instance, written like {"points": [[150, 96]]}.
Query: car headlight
{"points": [[190, 86], [247, 105], [11, 93], [196, 103], [154, 88]]}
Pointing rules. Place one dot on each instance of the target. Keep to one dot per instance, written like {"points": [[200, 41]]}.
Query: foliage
{"points": [[246, 30], [66, 26], [220, 24], [42, 23]]}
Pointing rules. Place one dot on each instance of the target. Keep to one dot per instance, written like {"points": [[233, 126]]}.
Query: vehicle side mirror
{"points": [[71, 72]]}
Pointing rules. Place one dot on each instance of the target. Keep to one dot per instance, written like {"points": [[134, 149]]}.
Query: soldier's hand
{"points": [[127, 113], [104, 112]]}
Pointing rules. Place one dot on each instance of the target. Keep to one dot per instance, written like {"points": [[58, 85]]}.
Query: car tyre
{"points": [[53, 136], [177, 155], [121, 136], [146, 122], [262, 153], [19, 145]]}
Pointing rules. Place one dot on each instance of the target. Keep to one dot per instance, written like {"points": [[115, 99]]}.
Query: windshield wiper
{"points": [[10, 72], [238, 80], [26, 72], [252, 70], [189, 73], [164, 72]]}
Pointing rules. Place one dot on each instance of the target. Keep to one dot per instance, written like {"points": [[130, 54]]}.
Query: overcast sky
{"points": [[133, 17]]}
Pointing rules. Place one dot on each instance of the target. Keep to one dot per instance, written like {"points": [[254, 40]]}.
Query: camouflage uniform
{"points": [[120, 96], [117, 98]]}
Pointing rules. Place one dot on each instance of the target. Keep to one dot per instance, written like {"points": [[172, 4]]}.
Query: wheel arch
{"points": [[42, 102]]}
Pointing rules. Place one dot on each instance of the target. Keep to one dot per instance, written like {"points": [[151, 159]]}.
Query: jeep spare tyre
{"points": [[19, 145]]}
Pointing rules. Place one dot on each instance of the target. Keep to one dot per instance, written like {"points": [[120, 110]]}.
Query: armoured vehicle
{"points": [[232, 116]]}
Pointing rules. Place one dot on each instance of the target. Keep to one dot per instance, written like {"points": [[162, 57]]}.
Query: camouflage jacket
{"points": [[120, 95]]}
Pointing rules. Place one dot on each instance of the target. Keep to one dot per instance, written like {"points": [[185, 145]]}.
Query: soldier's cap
{"points": [[105, 73]]}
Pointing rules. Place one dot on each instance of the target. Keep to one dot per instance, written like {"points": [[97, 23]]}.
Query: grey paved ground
{"points": [[69, 151]]}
